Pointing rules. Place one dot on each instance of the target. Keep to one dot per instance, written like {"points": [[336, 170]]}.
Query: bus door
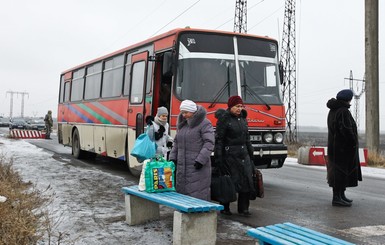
{"points": [[137, 108], [162, 81]]}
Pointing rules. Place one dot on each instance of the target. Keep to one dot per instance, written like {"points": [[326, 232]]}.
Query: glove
{"points": [[160, 132], [169, 144], [198, 165], [149, 120]]}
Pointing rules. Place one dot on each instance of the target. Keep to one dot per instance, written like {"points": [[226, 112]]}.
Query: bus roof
{"points": [[158, 37]]}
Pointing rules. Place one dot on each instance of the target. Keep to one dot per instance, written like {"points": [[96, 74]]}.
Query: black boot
{"points": [[345, 198], [338, 201], [226, 210]]}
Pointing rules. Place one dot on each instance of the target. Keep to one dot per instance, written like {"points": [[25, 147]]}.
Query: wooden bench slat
{"points": [[288, 233], [332, 240], [176, 200], [263, 237]]}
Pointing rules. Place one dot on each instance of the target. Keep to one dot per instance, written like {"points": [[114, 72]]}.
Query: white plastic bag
{"points": [[142, 182]]}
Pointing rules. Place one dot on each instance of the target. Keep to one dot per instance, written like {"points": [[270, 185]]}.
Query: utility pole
{"points": [[240, 19], [372, 75], [288, 64], [22, 102], [357, 92]]}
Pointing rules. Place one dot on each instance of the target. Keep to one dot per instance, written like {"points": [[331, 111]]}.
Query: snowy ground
{"points": [[88, 206]]}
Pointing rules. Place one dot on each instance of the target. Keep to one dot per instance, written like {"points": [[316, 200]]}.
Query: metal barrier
{"points": [[26, 134]]}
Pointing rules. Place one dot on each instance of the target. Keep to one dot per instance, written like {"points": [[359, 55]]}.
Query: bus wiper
{"points": [[255, 95], [222, 90]]}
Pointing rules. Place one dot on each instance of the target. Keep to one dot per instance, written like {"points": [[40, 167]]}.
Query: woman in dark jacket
{"points": [[233, 152], [343, 168]]}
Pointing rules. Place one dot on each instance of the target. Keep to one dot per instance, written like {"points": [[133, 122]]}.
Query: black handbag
{"points": [[258, 185], [223, 189]]}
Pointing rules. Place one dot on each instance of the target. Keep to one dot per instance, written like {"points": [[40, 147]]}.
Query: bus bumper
{"points": [[269, 156]]}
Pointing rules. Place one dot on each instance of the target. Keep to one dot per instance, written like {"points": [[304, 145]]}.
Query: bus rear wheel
{"points": [[76, 151]]}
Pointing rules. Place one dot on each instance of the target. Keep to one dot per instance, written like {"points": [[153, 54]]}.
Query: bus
{"points": [[103, 103]]}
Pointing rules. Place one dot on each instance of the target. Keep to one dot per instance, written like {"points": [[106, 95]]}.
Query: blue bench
{"points": [[288, 233], [195, 220]]}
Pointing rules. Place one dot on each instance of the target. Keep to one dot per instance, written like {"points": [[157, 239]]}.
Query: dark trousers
{"points": [[243, 202]]}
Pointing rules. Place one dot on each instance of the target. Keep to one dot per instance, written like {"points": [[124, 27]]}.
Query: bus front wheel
{"points": [[76, 151]]}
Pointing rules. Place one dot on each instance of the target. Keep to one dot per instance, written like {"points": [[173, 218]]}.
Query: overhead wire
{"points": [[175, 18]]}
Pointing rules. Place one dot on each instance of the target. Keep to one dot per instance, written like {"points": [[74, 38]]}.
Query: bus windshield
{"points": [[212, 67]]}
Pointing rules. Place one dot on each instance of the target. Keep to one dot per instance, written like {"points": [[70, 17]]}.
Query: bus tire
{"points": [[134, 171], [76, 151]]}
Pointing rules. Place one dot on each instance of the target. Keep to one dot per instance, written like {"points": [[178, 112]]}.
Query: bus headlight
{"points": [[268, 138], [278, 138]]}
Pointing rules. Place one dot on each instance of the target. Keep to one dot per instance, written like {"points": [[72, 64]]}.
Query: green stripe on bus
{"points": [[93, 113]]}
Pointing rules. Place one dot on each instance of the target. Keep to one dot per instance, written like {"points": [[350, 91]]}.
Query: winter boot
{"points": [[343, 197], [338, 201]]}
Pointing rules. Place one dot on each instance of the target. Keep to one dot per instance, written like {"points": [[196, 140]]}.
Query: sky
{"points": [[42, 38]]}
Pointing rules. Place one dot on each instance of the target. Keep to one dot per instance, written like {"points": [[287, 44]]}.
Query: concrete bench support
{"points": [[195, 228], [139, 210]]}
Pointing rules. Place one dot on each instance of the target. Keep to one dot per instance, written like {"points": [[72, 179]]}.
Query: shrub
{"points": [[22, 220]]}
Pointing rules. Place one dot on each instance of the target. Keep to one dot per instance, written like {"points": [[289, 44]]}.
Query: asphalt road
{"points": [[295, 193]]}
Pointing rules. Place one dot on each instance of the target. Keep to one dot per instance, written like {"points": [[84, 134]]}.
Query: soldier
{"points": [[48, 124]]}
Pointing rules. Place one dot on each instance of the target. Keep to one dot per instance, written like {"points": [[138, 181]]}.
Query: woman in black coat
{"points": [[343, 168], [233, 152]]}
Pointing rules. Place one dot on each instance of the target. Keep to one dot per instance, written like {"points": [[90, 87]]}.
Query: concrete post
{"points": [[371, 75]]}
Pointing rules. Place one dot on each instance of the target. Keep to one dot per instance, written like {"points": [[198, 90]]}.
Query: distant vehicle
{"points": [[35, 124], [4, 122], [18, 123]]}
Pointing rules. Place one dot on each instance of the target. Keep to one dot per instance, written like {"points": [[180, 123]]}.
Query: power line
{"points": [[175, 18]]}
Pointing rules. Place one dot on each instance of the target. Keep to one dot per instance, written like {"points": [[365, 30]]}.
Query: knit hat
{"points": [[234, 100], [188, 105], [345, 95], [162, 111]]}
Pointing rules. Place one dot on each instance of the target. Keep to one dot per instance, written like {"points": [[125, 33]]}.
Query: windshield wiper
{"points": [[255, 95], [222, 90]]}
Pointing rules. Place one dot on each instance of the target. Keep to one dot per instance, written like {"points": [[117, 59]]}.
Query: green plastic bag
{"points": [[159, 175]]}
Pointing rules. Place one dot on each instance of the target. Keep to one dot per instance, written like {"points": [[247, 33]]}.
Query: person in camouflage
{"points": [[48, 124]]}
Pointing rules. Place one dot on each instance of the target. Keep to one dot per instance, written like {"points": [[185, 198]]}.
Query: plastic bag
{"points": [[159, 175], [144, 148]]}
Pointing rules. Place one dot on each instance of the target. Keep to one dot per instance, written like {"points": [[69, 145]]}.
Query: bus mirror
{"points": [[280, 67], [167, 64]]}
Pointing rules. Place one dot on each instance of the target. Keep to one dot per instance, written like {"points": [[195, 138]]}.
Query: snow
{"points": [[87, 204]]}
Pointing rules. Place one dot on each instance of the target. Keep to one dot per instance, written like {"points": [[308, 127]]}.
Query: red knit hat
{"points": [[234, 100]]}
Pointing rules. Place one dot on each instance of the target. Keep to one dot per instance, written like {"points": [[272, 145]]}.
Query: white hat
{"points": [[188, 105]]}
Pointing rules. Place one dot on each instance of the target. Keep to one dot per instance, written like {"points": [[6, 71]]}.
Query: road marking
{"points": [[366, 231]]}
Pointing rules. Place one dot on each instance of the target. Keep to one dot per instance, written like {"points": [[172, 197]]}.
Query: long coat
{"points": [[194, 142], [343, 168], [233, 150]]}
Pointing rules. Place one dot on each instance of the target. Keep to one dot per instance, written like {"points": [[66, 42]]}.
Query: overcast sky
{"points": [[42, 38]]}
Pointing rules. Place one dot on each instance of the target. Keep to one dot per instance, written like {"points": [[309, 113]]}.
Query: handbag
{"points": [[159, 175], [223, 189], [144, 148], [258, 185]]}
